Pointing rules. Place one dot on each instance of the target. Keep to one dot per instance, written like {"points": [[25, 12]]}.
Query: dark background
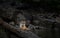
{"points": [[47, 12]]}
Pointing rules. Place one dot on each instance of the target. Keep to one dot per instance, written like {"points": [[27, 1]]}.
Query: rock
{"points": [[58, 19]]}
